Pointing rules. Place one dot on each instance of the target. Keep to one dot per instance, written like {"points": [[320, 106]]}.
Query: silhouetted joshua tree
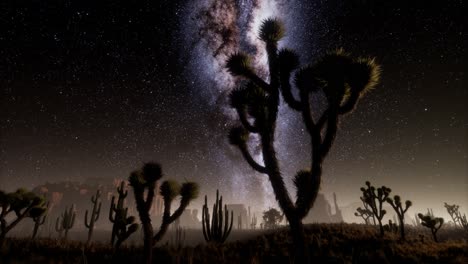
{"points": [[217, 228], [453, 211], [365, 214], [376, 201], [398, 207], [94, 214], [144, 183], [39, 220], [431, 222], [22, 204], [123, 226], [66, 221], [342, 79]]}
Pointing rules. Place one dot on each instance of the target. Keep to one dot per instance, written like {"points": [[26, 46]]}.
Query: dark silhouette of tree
{"points": [[144, 183], [375, 201], [272, 218], [39, 220], [400, 210], [16, 206], [218, 229], [431, 222], [342, 79]]}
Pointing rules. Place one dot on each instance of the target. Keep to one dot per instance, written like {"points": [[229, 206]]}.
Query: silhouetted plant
{"points": [[122, 226], [218, 227], [398, 207], [66, 221], [94, 214], [239, 222], [391, 227], [464, 222], [342, 79], [431, 222], [253, 223], [22, 204], [365, 214], [272, 218], [453, 211], [376, 201], [39, 220], [179, 238], [144, 183]]}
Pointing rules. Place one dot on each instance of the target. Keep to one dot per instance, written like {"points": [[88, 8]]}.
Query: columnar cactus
{"points": [[66, 221], [39, 220], [342, 79], [431, 222], [123, 226], [218, 228], [376, 201], [94, 214], [239, 222], [144, 183], [398, 207], [253, 224], [21, 204]]}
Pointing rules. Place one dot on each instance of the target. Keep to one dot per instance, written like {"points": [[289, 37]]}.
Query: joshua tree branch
{"points": [[250, 160], [243, 118], [287, 94]]}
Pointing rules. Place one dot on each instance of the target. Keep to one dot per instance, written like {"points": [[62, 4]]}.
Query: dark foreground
{"points": [[329, 243]]}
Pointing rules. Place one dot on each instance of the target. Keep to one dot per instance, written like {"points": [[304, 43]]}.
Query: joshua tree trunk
{"points": [[148, 241]]}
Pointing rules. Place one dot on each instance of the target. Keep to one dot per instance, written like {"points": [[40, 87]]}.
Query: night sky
{"points": [[96, 89]]}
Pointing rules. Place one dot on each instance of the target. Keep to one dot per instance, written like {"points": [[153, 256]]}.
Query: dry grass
{"points": [[329, 243]]}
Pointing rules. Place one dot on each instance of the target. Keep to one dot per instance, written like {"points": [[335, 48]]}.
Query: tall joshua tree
{"points": [[342, 79], [375, 201], [144, 183], [400, 210]]}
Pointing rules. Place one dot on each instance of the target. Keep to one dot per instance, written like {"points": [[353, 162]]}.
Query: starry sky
{"points": [[96, 89]]}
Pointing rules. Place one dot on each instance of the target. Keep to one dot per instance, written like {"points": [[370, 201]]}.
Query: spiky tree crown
{"points": [[364, 75], [152, 172], [239, 64], [271, 30], [189, 190], [169, 190]]}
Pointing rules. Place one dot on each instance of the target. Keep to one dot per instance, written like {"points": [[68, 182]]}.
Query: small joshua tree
{"points": [[376, 201], [253, 224], [217, 228], [365, 214], [453, 211], [342, 79], [144, 183], [22, 204], [94, 214], [431, 222], [39, 220], [123, 226], [398, 207], [66, 221]]}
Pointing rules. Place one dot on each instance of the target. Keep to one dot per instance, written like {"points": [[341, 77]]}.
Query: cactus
{"points": [[239, 222], [253, 223], [21, 204], [179, 237], [431, 222], [342, 79], [39, 220], [218, 228], [122, 226], [94, 214], [66, 221], [375, 201], [398, 207], [144, 183]]}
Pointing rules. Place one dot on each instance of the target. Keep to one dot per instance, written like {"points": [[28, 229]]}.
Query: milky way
{"points": [[221, 29]]}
